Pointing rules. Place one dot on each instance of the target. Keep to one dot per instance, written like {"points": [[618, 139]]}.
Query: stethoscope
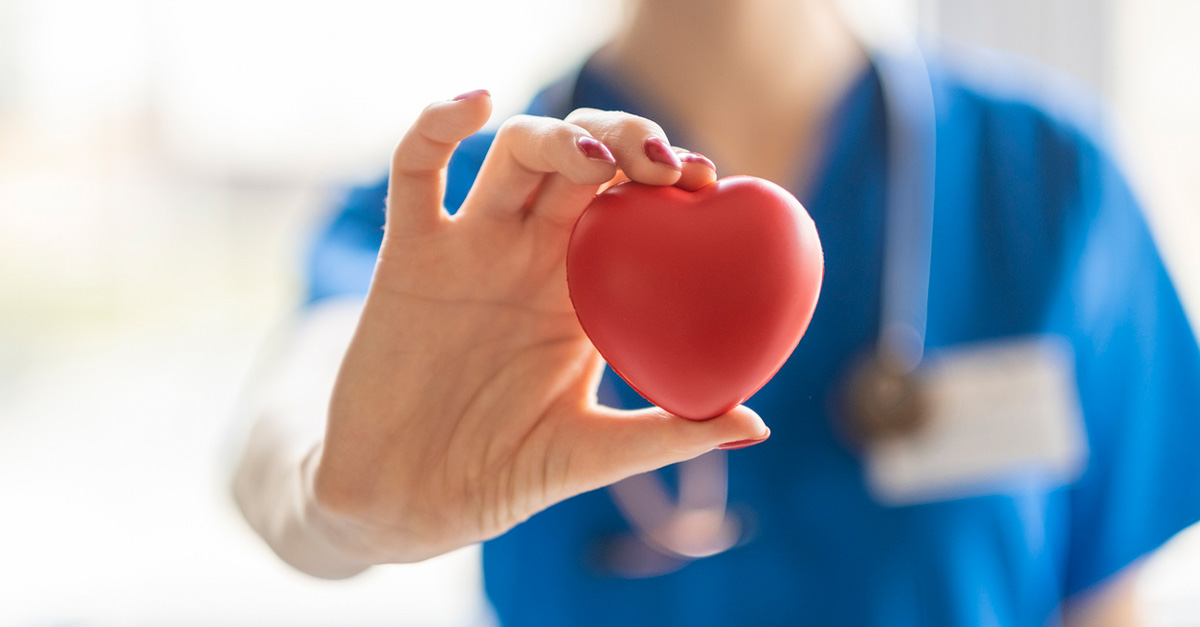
{"points": [[882, 395]]}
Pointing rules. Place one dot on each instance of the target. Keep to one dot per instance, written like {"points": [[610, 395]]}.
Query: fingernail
{"points": [[695, 157], [472, 94], [736, 444], [658, 151], [593, 149]]}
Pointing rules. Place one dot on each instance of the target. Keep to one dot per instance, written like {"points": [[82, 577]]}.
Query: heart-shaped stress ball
{"points": [[695, 298]]}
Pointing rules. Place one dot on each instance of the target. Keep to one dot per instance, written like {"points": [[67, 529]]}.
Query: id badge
{"points": [[1001, 414]]}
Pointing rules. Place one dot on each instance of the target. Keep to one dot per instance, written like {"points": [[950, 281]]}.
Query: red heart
{"points": [[695, 298]]}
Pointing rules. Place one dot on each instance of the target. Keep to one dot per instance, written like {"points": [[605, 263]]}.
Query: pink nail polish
{"points": [[658, 151], [694, 157], [593, 149], [472, 94], [736, 444]]}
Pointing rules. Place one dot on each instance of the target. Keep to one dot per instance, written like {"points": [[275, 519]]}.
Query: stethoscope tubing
{"points": [[697, 523], [911, 177]]}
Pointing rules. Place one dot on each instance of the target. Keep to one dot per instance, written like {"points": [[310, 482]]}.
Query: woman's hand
{"points": [[466, 401]]}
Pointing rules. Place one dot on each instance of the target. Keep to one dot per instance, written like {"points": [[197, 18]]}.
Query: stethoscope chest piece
{"points": [[882, 400]]}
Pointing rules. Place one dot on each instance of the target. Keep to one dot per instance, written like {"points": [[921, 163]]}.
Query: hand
{"points": [[466, 400]]}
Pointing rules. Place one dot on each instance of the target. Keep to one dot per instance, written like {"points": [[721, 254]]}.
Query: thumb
{"points": [[613, 445]]}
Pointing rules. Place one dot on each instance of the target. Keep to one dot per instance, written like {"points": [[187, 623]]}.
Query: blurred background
{"points": [[163, 165]]}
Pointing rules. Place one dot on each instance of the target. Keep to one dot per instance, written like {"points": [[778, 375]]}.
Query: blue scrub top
{"points": [[1035, 232]]}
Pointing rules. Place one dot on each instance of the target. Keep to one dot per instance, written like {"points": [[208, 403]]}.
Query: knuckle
{"points": [[630, 125], [406, 157], [516, 126], [564, 136], [418, 132], [440, 124], [538, 142], [427, 119], [400, 156], [428, 111], [582, 113]]}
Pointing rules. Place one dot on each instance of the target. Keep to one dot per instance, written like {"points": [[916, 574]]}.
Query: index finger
{"points": [[639, 145]]}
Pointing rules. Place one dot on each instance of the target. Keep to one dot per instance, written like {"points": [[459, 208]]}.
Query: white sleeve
{"points": [[286, 405]]}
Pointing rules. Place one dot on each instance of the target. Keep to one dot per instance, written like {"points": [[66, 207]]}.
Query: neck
{"points": [[750, 82]]}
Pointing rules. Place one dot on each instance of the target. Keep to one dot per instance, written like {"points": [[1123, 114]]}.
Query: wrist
{"points": [[272, 487], [347, 525]]}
